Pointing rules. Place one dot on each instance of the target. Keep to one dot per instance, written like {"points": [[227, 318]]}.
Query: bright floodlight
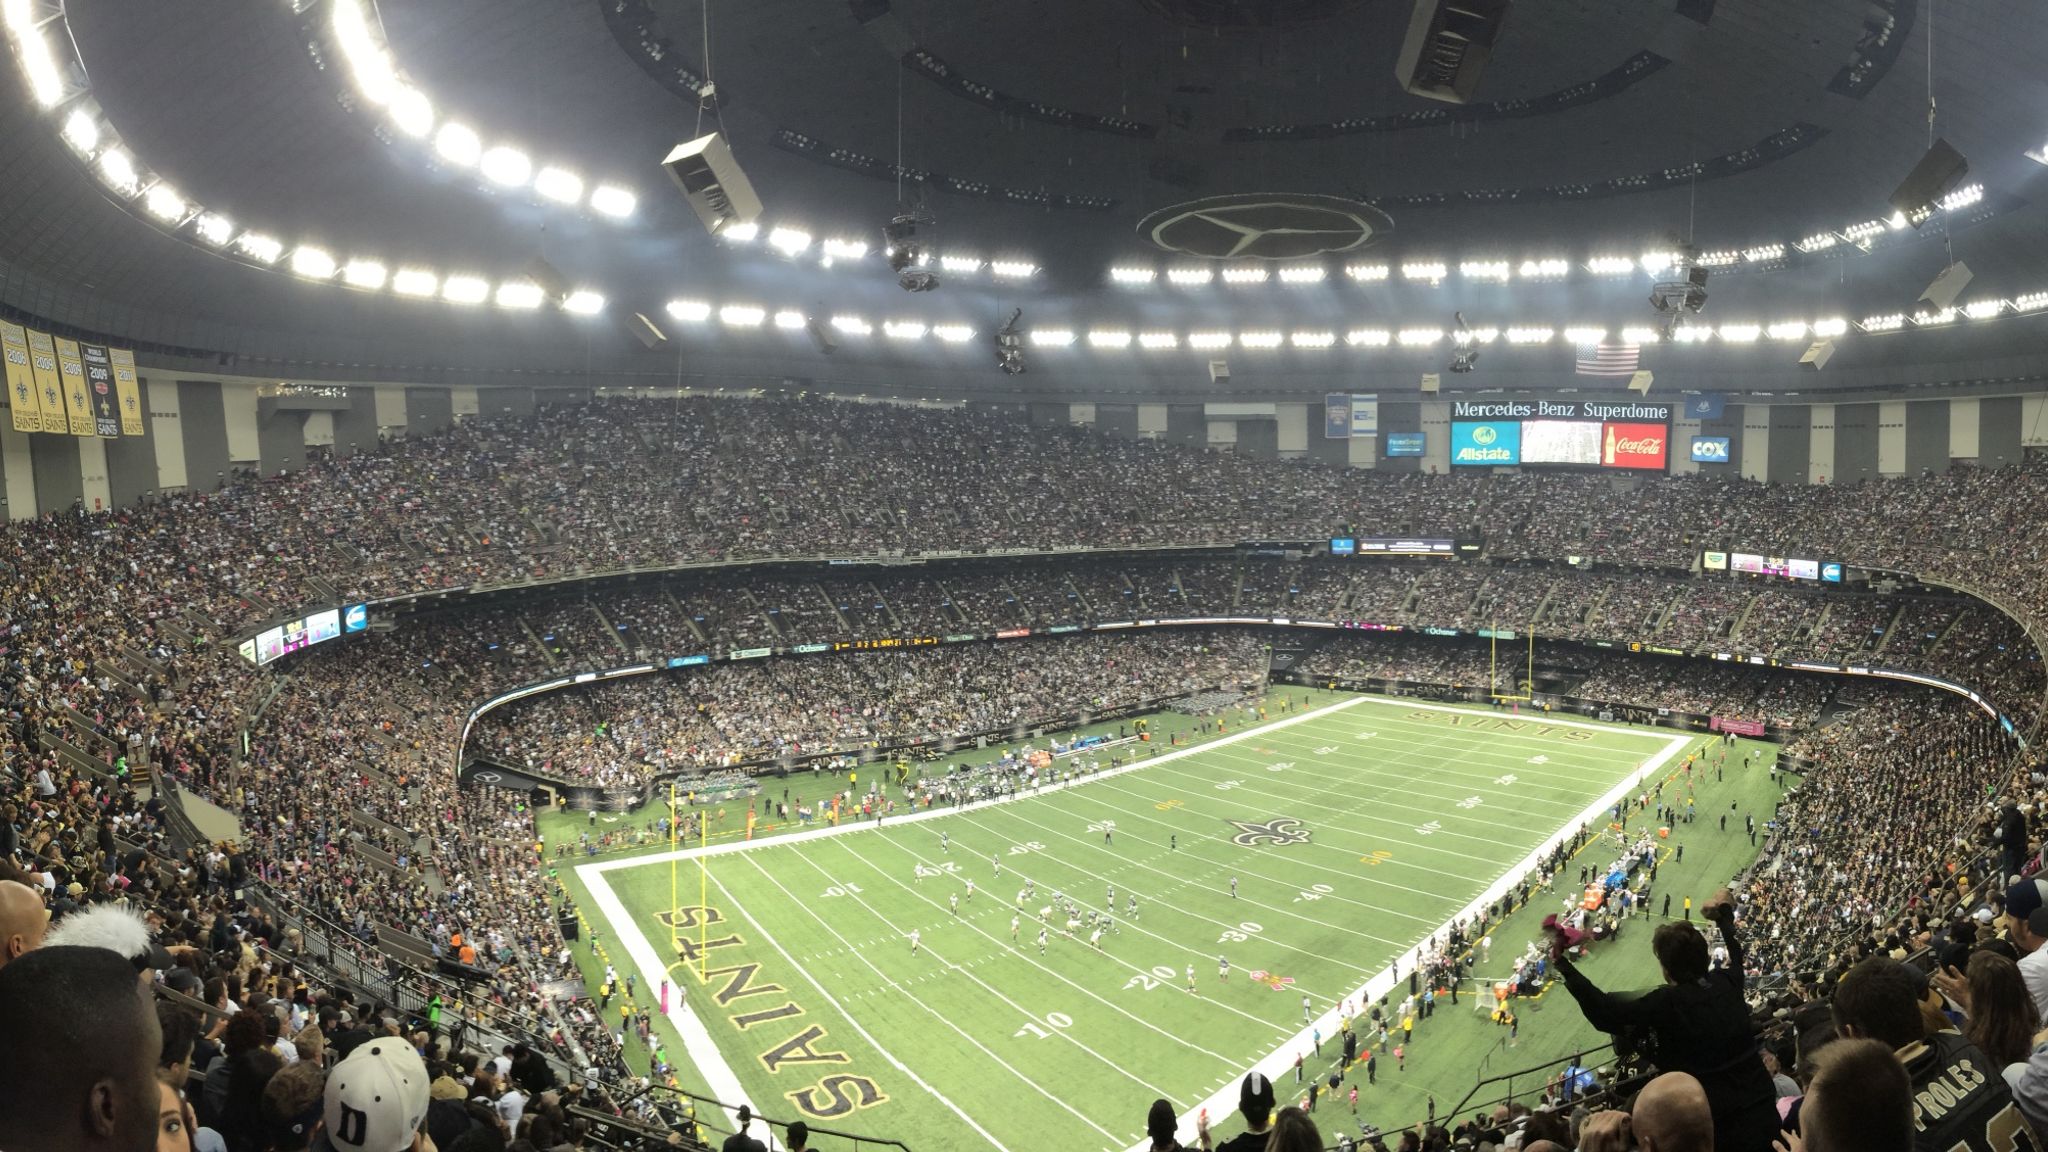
{"points": [[117, 168], [81, 131], [366, 274], [1132, 275], [953, 333], [1830, 328], [1529, 335], [458, 144], [1419, 337], [1636, 335], [1367, 273], [852, 325], [312, 263], [743, 233], [584, 302], [164, 203], [1432, 271], [1189, 276], [1585, 335], [1052, 337], [1610, 265], [519, 294], [1983, 309], [1496, 270], [1158, 341], [559, 184], [1254, 274], [465, 289], [1369, 338], [45, 82], [411, 111], [214, 228], [1012, 269], [1209, 340], [507, 166], [1260, 339], [1740, 333], [789, 321], [960, 263], [1109, 338], [689, 311], [612, 200], [903, 329], [789, 241], [1307, 274], [742, 316], [846, 249], [415, 282], [1788, 330], [1313, 339], [260, 248], [1544, 269]]}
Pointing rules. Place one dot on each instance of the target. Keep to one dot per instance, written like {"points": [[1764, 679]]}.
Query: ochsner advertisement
{"points": [[1493, 444]]}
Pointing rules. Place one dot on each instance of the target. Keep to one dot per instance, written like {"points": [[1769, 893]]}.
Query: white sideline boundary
{"points": [[723, 1084]]}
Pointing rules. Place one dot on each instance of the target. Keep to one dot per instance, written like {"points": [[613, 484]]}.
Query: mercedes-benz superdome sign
{"points": [[1266, 226]]}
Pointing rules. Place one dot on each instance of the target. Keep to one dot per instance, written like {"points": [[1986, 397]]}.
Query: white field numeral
{"points": [[1058, 1020]]}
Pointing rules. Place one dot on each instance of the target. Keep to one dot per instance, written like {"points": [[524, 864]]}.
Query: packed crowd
{"points": [[348, 800], [624, 731]]}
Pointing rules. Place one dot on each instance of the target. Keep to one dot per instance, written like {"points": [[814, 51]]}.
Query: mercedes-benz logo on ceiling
{"points": [[1266, 226]]}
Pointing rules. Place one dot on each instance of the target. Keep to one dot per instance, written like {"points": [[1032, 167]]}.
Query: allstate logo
{"points": [[1484, 434]]}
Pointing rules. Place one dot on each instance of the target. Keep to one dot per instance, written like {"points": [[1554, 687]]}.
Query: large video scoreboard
{"points": [[1623, 434]]}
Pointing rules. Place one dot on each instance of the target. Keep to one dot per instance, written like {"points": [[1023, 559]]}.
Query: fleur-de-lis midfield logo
{"points": [[1279, 830]]}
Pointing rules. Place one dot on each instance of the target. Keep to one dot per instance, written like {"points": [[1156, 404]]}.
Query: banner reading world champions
{"points": [[1491, 444]]}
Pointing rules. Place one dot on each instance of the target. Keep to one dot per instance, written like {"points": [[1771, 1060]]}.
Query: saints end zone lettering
{"points": [[1500, 724], [689, 916], [837, 1094], [841, 1094]]}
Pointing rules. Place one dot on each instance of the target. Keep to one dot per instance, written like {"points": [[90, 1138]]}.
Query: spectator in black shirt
{"points": [[1255, 1102], [739, 1141], [1698, 1023]]}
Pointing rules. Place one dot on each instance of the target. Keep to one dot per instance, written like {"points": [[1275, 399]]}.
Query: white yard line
{"points": [[797, 902], [1277, 1063], [724, 1084]]}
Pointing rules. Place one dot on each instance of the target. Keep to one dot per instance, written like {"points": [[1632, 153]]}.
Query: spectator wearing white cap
{"points": [[377, 1100]]}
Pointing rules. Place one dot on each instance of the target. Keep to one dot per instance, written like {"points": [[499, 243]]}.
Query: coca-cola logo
{"points": [[1636, 445]]}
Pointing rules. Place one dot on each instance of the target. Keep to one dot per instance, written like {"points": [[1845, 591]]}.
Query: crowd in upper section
{"points": [[631, 483]]}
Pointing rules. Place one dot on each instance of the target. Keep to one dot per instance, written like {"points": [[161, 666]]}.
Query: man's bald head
{"points": [[84, 1079], [22, 921], [1546, 1146], [1671, 1115]]}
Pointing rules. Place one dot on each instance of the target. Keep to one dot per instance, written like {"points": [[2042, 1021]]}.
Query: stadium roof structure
{"points": [[1067, 138]]}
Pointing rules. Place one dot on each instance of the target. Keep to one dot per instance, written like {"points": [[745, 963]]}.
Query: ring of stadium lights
{"points": [[793, 243], [1494, 268], [59, 87], [1126, 340], [354, 28]]}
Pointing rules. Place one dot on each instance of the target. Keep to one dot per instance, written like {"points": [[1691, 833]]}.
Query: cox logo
{"points": [[1484, 434], [1710, 449]]}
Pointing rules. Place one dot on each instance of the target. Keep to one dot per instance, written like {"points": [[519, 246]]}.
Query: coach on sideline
{"points": [[1698, 1023]]}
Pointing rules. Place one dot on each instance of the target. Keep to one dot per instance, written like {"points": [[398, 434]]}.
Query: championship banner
{"points": [[99, 389], [42, 361], [21, 383], [71, 366], [1336, 415], [127, 390]]}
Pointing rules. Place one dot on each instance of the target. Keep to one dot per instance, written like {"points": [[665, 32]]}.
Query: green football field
{"points": [[1313, 852]]}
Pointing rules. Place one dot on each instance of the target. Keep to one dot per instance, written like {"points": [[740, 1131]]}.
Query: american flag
{"points": [[1608, 358]]}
